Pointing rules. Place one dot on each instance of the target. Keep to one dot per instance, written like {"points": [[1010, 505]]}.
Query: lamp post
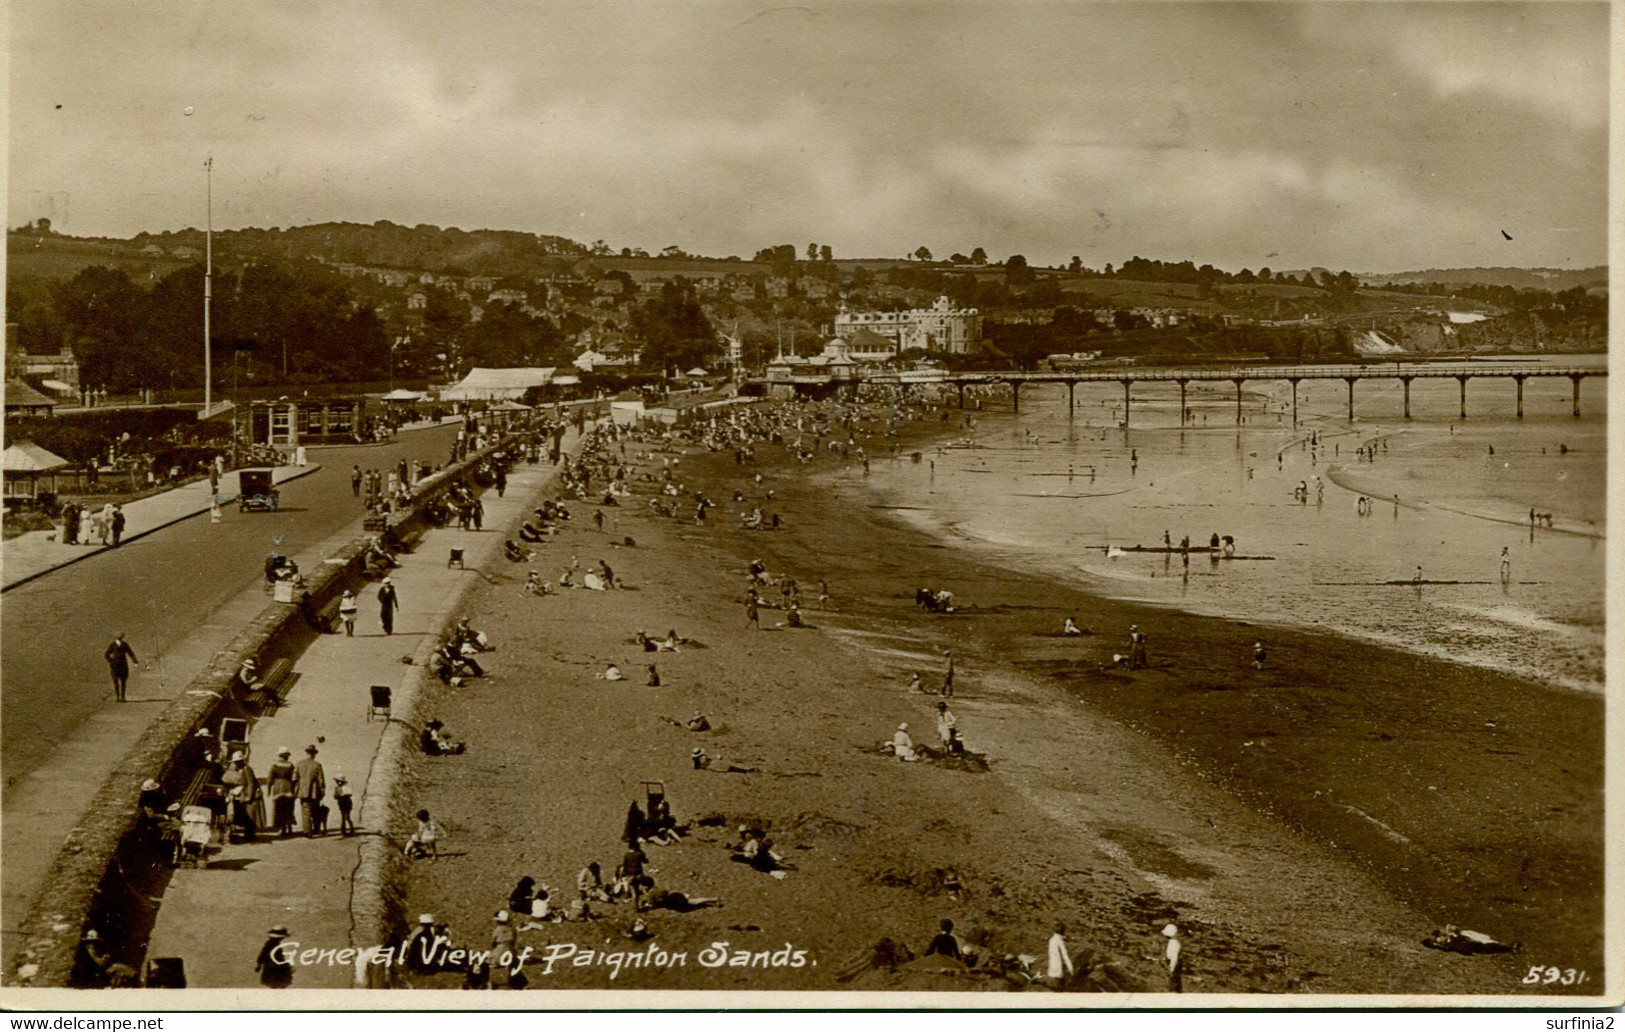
{"points": [[208, 278]]}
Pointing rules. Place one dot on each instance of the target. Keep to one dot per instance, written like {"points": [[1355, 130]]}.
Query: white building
{"points": [[941, 327]]}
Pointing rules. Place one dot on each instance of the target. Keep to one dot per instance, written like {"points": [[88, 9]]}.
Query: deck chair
{"points": [[378, 702]]}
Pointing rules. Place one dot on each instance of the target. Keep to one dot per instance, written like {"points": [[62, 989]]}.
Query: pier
{"points": [[1405, 372]]}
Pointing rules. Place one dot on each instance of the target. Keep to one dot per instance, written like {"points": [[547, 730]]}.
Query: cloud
{"points": [[1357, 135]]}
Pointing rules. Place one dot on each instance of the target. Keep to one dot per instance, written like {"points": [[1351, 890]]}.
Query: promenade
{"points": [[179, 596], [216, 918], [38, 552]]}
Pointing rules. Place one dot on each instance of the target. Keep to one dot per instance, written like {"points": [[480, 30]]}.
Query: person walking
{"points": [[1173, 959], [347, 611], [311, 785], [948, 677], [388, 600], [272, 963], [281, 780], [70, 524], [346, 802], [1506, 565], [355, 480], [116, 523], [118, 655], [753, 615]]}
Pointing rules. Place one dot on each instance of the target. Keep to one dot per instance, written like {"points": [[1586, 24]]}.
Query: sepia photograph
{"points": [[857, 505]]}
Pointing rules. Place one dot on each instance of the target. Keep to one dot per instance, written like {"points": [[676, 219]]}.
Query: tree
{"points": [[826, 253], [812, 252], [1075, 265], [672, 251], [1017, 272], [674, 330], [978, 257], [923, 254]]}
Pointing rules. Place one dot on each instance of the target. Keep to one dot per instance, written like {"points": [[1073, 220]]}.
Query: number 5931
{"points": [[1539, 975]]}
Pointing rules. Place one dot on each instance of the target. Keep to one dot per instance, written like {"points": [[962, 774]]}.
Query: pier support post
{"points": [[1071, 400], [1126, 385], [1463, 381], [1405, 381], [1350, 381], [1238, 383], [1182, 384], [1519, 381], [1015, 395], [1294, 383], [1576, 381], [961, 395]]}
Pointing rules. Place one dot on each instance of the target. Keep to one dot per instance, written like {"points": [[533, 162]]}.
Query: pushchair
{"points": [[192, 843]]}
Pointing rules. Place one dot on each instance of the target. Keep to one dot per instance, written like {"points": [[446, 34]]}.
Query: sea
{"points": [[1067, 493]]}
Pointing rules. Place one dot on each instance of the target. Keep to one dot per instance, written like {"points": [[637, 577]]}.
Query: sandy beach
{"points": [[1306, 825]]}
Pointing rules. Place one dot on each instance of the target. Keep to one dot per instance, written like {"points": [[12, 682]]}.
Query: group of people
{"points": [[85, 525]]}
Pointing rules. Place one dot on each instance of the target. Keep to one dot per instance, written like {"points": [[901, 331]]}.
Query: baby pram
{"points": [[192, 844]]}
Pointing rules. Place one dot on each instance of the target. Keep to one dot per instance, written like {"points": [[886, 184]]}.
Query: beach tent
{"points": [[402, 394], [696, 372], [497, 384], [564, 381], [509, 406], [27, 459]]}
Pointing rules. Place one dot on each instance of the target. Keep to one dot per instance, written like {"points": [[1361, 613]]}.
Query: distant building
{"points": [[957, 331], [417, 299], [508, 296]]}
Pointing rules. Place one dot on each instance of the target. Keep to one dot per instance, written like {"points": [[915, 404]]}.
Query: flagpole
{"points": [[208, 282]]}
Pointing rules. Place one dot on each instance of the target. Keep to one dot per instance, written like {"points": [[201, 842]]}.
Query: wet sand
{"points": [[1306, 825]]}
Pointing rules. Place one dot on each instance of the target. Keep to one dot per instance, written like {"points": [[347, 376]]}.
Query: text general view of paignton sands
{"points": [[1092, 499]]}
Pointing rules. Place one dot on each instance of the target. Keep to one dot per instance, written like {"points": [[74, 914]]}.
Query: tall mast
{"points": [[208, 281]]}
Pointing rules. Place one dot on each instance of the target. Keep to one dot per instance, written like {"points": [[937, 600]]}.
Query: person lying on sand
{"points": [[1071, 628], [704, 761], [1464, 940]]}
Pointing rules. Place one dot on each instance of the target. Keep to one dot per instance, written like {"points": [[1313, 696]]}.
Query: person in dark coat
{"points": [[272, 963], [118, 655], [70, 524], [118, 523], [311, 786], [388, 600]]}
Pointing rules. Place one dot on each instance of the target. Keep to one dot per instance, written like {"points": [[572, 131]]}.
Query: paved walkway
{"points": [[38, 552], [217, 918]]}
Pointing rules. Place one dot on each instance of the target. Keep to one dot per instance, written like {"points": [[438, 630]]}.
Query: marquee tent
{"points": [[497, 384]]}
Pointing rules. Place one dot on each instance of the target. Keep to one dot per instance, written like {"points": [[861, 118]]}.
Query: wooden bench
{"points": [[269, 695]]}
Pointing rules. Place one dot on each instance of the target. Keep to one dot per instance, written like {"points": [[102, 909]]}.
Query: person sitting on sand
{"points": [[1070, 629], [1258, 655], [945, 944], [592, 582], [424, 840], [793, 616], [914, 682], [902, 746], [671, 642], [435, 742], [647, 643], [565, 580], [698, 722], [590, 883], [654, 677], [612, 673]]}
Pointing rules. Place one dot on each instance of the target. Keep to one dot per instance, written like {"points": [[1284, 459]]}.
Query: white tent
{"points": [[497, 384], [402, 394], [697, 372]]}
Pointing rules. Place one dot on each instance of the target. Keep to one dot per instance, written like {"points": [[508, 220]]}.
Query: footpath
{"points": [[216, 918], [38, 552]]}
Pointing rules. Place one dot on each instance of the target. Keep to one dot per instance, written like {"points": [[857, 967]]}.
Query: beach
{"points": [[1305, 825]]}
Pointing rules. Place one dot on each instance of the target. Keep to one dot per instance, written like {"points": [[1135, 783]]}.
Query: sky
{"points": [[1365, 136]]}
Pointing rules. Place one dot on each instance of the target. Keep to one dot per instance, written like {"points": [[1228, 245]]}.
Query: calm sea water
{"points": [[1020, 487]]}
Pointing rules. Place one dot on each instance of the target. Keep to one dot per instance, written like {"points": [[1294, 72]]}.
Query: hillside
{"points": [[1499, 276]]}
